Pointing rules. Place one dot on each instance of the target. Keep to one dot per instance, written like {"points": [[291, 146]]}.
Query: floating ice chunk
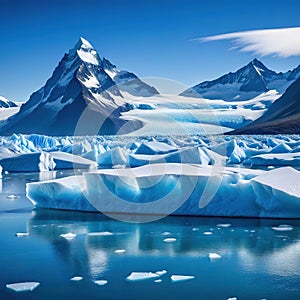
{"points": [[232, 298], [119, 251], [12, 197], [134, 276], [158, 280], [22, 234], [207, 233], [100, 233], [178, 278], [195, 229], [224, 225], [68, 236], [214, 256], [160, 273], [166, 233], [283, 228], [23, 286], [169, 240], [76, 278], [101, 282]]}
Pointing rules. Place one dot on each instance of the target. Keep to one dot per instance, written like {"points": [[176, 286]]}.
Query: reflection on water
{"points": [[256, 261], [252, 240]]}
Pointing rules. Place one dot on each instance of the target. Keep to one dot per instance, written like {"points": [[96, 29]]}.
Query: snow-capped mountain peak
{"points": [[82, 80], [86, 52], [5, 103], [246, 83]]}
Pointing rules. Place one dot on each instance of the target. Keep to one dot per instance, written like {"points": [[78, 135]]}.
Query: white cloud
{"points": [[282, 42]]}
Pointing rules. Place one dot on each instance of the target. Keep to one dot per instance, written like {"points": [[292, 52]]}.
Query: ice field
{"points": [[245, 176]]}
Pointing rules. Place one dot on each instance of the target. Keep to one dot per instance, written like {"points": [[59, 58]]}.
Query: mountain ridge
{"points": [[78, 83], [247, 82]]}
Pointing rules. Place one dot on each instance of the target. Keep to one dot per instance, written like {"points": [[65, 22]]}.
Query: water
{"points": [[256, 261]]}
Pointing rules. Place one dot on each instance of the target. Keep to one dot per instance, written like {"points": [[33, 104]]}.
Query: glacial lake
{"points": [[257, 259]]}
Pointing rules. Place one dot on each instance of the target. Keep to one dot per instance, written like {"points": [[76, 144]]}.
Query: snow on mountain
{"points": [[283, 116], [244, 84], [82, 81], [5, 103]]}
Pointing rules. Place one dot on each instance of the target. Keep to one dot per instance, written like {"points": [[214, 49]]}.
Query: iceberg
{"points": [[134, 276], [23, 286], [43, 161], [179, 278], [101, 282], [178, 189], [76, 278], [274, 159], [38, 152]]}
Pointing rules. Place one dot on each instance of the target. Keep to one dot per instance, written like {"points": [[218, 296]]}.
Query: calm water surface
{"points": [[257, 262]]}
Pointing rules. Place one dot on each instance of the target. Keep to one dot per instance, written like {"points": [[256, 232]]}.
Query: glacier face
{"points": [[180, 189], [185, 175], [38, 152]]}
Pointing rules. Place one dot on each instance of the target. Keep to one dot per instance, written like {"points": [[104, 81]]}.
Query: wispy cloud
{"points": [[283, 42]]}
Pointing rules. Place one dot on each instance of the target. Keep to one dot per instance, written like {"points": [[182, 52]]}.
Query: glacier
{"points": [[245, 176]]}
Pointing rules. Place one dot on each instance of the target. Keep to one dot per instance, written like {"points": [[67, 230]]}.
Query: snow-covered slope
{"points": [[283, 116], [82, 82], [244, 84], [5, 103]]}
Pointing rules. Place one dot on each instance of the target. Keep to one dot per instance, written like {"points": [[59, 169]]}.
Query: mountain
{"points": [[283, 116], [244, 84], [5, 103], [86, 94]]}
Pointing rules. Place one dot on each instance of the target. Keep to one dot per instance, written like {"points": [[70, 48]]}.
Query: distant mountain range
{"points": [[82, 81], [87, 95], [5, 103], [283, 116], [244, 84]]}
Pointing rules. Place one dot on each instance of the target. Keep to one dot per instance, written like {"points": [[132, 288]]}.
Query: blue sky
{"points": [[150, 38]]}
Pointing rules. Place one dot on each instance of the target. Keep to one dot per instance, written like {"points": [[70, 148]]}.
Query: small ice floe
{"points": [[195, 229], [214, 256], [160, 273], [135, 276], [23, 286], [169, 240], [270, 167], [207, 233], [178, 278], [22, 234], [158, 280], [166, 233], [101, 282], [76, 278], [252, 231], [119, 251], [224, 225], [283, 228], [101, 233], [12, 197], [232, 298], [68, 236]]}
